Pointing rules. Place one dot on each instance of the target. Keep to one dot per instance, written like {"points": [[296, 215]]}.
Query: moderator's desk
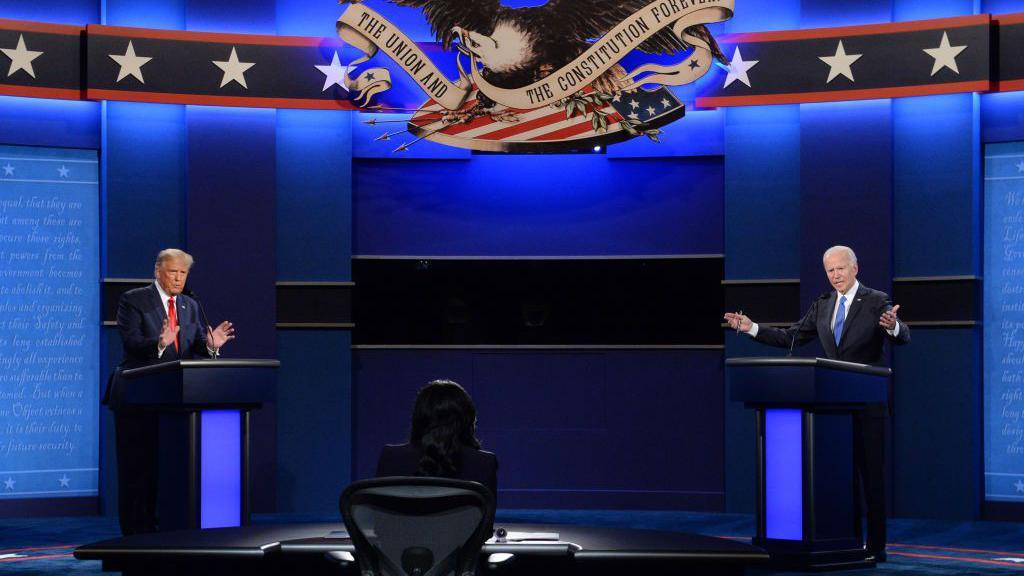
{"points": [[302, 549]]}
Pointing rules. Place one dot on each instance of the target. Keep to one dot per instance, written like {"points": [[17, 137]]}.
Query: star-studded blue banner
{"points": [[220, 69], [856, 62], [827, 64]]}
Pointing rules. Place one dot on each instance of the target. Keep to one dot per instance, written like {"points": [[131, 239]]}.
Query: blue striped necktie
{"points": [[840, 318]]}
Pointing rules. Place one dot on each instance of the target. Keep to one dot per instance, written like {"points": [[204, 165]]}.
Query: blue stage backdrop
{"points": [[49, 322], [1004, 322]]}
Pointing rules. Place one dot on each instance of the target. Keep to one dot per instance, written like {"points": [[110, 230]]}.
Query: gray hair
{"points": [[841, 249], [173, 254]]}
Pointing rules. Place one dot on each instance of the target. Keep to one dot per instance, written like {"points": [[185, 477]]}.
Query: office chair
{"points": [[417, 526]]}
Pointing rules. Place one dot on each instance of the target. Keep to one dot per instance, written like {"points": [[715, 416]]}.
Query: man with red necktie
{"points": [[158, 324]]}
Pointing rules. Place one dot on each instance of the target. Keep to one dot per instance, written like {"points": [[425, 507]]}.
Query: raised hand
{"points": [[888, 319], [168, 335], [220, 335], [738, 322]]}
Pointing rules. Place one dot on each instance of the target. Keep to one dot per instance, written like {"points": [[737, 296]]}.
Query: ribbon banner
{"points": [[367, 30]]}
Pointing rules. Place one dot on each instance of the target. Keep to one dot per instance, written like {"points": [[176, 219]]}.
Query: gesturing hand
{"points": [[220, 335], [738, 322], [888, 319], [168, 335]]}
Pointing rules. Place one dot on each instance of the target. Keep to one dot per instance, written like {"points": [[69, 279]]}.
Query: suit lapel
{"points": [[825, 327], [154, 298]]}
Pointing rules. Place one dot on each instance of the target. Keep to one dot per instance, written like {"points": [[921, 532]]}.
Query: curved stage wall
{"points": [[274, 202]]}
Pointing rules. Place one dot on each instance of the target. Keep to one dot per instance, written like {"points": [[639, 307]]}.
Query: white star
{"points": [[21, 58], [335, 73], [634, 115], [738, 69], [1019, 485], [9, 170], [651, 111], [65, 482], [634, 104], [840, 63], [234, 71], [665, 103], [617, 97], [131, 65], [1020, 166], [9, 483], [63, 171], [945, 55]]}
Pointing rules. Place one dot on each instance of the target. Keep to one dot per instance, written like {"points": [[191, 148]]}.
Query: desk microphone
{"points": [[191, 294], [792, 339]]}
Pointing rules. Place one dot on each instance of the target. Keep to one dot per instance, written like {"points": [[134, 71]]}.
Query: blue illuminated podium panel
{"points": [[807, 514], [204, 408]]}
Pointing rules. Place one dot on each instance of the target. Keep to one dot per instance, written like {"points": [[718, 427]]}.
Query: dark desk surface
{"points": [[307, 542]]}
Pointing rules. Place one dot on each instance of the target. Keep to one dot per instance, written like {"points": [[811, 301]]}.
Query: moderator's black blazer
{"points": [[862, 339], [477, 465], [140, 316]]}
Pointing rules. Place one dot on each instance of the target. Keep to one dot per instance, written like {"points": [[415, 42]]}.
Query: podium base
{"points": [[783, 555]]}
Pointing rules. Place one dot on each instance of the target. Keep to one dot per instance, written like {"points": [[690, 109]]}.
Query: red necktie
{"points": [[172, 320]]}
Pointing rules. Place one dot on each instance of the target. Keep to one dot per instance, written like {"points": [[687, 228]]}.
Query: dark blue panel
{"points": [[231, 221], [236, 16], [1002, 117], [145, 162], [936, 187], [75, 12], [828, 13], [763, 15], [542, 205], [110, 356], [762, 214], [571, 429], [937, 425], [999, 6], [846, 181], [231, 231], [314, 195], [160, 14], [907, 10], [314, 399], [40, 122], [303, 18]]}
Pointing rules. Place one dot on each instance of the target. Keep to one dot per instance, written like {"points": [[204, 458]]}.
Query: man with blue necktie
{"points": [[853, 322], [157, 324]]}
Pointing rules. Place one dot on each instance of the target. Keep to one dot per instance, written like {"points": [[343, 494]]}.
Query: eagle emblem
{"points": [[547, 77]]}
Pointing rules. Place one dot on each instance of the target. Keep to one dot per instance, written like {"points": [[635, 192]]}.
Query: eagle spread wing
{"points": [[443, 15]]}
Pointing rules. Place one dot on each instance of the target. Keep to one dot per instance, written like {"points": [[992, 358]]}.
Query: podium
{"points": [[204, 408], [807, 512]]}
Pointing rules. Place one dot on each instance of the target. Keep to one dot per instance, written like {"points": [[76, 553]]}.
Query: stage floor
{"points": [[43, 546]]}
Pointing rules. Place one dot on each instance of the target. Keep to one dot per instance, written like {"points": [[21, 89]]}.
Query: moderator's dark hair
{"points": [[443, 423]]}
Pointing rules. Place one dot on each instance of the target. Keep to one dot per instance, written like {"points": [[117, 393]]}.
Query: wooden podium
{"points": [[807, 513], [204, 408]]}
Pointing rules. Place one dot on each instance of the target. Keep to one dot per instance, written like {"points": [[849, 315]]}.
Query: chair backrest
{"points": [[417, 526]]}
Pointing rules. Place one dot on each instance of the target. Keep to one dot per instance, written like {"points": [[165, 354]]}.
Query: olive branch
{"points": [[592, 104]]}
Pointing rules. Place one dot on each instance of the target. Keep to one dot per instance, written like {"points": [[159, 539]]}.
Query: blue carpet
{"points": [[42, 546]]}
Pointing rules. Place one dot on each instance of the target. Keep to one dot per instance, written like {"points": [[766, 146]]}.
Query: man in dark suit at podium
{"points": [[853, 322], [158, 324]]}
